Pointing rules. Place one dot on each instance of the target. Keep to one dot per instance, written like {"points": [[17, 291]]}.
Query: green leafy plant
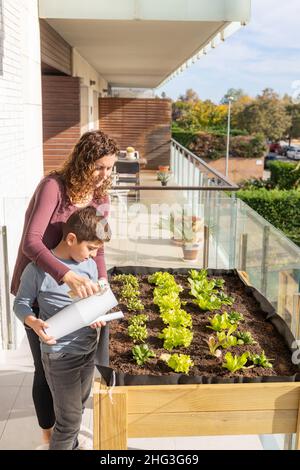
{"points": [[235, 317], [127, 279], [138, 319], [213, 345], [177, 317], [174, 337], [142, 354], [226, 299], [167, 302], [178, 362], [163, 177], [234, 363], [130, 292], [261, 360], [245, 336], [208, 302], [219, 322], [227, 340], [134, 304], [138, 333], [208, 293]]}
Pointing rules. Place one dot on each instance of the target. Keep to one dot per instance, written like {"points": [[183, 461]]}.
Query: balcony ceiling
{"points": [[135, 54], [139, 43]]}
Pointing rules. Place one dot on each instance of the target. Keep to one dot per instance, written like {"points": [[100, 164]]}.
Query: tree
{"points": [[266, 114], [293, 110], [190, 96], [235, 93]]}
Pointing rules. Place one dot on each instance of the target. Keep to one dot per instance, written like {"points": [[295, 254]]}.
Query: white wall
{"points": [[21, 160], [89, 93]]}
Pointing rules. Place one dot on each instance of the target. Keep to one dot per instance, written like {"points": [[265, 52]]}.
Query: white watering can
{"points": [[82, 313]]}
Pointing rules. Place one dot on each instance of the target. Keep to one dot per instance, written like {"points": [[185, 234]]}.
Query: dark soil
{"points": [[263, 332]]}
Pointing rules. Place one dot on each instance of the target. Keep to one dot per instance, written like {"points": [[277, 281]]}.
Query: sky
{"points": [[264, 54]]}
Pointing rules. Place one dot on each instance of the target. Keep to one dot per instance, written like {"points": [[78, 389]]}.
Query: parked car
{"points": [[278, 147], [294, 153], [275, 147]]}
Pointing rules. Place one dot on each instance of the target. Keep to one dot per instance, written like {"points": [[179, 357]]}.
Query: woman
{"points": [[83, 180]]}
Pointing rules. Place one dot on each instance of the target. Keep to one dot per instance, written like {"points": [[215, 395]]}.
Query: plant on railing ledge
{"points": [[163, 177]]}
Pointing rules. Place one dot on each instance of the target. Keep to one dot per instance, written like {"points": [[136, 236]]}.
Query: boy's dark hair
{"points": [[87, 226]]}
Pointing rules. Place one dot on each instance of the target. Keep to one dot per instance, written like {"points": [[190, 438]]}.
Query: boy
{"points": [[69, 361]]}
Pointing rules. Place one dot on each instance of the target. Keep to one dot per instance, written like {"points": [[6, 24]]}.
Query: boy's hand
{"points": [[97, 324], [39, 327], [80, 286]]}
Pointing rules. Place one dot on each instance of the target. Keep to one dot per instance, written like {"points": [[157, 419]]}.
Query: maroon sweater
{"points": [[48, 209]]}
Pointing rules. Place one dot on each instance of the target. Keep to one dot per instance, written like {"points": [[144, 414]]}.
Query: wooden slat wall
{"points": [[55, 51], [61, 118], [144, 124]]}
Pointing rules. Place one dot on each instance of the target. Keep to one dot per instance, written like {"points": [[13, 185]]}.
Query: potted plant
{"points": [[130, 155], [163, 177], [163, 168], [184, 228]]}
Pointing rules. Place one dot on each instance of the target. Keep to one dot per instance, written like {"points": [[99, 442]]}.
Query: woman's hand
{"points": [[39, 327], [79, 285]]}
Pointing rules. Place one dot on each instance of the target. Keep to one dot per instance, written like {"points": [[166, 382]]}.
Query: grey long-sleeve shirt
{"points": [[52, 297]]}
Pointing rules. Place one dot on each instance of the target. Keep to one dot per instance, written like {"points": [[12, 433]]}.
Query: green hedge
{"points": [[285, 175], [281, 208], [212, 145], [184, 138]]}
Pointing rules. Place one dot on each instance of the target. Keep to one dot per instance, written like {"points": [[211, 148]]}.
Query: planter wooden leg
{"points": [[110, 419]]}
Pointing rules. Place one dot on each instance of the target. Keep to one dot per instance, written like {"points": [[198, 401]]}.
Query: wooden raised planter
{"points": [[194, 410], [136, 411]]}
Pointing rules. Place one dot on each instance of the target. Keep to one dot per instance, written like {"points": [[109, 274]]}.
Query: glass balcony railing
{"points": [[231, 234], [196, 215]]}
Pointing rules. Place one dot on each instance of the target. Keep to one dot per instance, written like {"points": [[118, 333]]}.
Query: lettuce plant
{"points": [[234, 363], [235, 317], [178, 362], [138, 333], [127, 279], [208, 302], [174, 337], [208, 293], [167, 302], [142, 354], [261, 360], [227, 340], [138, 319], [177, 317], [245, 336], [219, 322], [213, 345]]}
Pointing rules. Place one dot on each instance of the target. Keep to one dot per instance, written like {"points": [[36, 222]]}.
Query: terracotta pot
{"points": [[163, 169], [190, 252]]}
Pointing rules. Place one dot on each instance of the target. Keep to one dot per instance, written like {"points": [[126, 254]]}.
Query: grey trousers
{"points": [[69, 377]]}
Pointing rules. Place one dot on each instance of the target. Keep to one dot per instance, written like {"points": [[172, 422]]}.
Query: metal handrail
{"points": [[202, 162], [177, 188]]}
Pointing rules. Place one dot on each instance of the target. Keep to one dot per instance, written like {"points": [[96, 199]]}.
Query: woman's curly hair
{"points": [[77, 170]]}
